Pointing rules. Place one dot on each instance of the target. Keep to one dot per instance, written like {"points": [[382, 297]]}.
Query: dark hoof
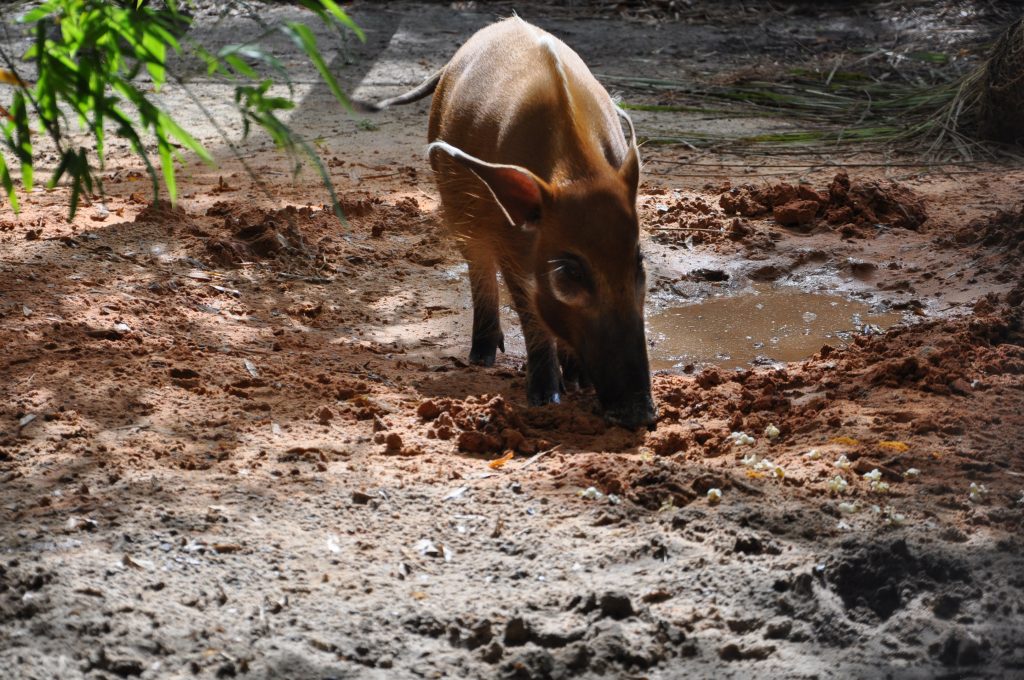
{"points": [[544, 398], [633, 416], [484, 357], [485, 350]]}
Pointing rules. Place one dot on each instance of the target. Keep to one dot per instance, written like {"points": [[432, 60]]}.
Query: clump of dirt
{"points": [[693, 221], [1003, 230], [846, 204], [650, 484], [948, 359], [480, 425], [253, 234], [943, 356], [161, 211]]}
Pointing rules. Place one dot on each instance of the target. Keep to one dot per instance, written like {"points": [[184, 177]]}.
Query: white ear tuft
{"points": [[518, 192]]}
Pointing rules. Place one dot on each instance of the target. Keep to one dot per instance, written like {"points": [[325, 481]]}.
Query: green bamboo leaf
{"points": [[240, 66], [23, 138], [155, 51], [304, 39], [167, 165], [168, 126], [339, 14], [8, 184]]}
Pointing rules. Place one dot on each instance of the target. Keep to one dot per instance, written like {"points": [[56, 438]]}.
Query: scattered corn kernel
{"points": [[873, 476], [899, 447], [813, 454], [771, 432], [977, 492], [892, 517], [842, 462], [912, 473], [847, 508], [741, 439], [714, 496], [837, 485], [751, 459], [880, 487], [591, 494]]}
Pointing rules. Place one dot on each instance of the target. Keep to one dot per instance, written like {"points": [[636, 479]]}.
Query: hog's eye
{"points": [[570, 280], [570, 269]]}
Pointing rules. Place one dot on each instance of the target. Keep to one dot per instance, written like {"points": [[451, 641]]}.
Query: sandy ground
{"points": [[240, 439]]}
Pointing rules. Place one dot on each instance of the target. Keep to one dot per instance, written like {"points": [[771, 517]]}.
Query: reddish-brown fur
{"points": [[538, 180]]}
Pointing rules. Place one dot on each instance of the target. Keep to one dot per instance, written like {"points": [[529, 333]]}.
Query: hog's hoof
{"points": [[483, 357], [634, 415], [543, 399], [485, 350]]}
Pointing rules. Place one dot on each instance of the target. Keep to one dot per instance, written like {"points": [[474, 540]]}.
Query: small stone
{"points": [[360, 498], [516, 632], [428, 410], [778, 629], [393, 442], [616, 605], [492, 653], [324, 415]]}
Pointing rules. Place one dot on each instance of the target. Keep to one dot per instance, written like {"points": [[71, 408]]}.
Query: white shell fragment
{"points": [[591, 494]]}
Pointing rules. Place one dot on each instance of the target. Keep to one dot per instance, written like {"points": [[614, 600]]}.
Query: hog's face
{"points": [[590, 286]]}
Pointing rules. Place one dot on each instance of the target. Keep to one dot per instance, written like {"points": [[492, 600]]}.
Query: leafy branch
{"points": [[88, 56]]}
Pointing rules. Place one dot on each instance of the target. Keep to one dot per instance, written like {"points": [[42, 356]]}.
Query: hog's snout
{"points": [[616, 362]]}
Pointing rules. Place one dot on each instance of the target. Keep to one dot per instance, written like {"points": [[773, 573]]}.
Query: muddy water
{"points": [[764, 325]]}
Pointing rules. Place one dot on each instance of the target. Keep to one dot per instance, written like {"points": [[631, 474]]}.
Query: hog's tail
{"points": [[422, 90]]}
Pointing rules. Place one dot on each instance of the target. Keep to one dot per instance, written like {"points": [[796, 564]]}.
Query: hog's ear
{"points": [[630, 171], [518, 192], [630, 168]]}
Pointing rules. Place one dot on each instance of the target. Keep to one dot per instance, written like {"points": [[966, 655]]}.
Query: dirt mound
{"points": [[649, 484], [846, 204], [480, 425], [290, 235], [1003, 230]]}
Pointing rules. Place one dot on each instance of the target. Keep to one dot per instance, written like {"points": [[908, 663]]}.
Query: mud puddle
{"points": [[764, 325]]}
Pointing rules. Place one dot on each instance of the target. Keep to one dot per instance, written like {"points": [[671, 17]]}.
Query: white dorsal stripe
{"points": [[548, 43]]}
